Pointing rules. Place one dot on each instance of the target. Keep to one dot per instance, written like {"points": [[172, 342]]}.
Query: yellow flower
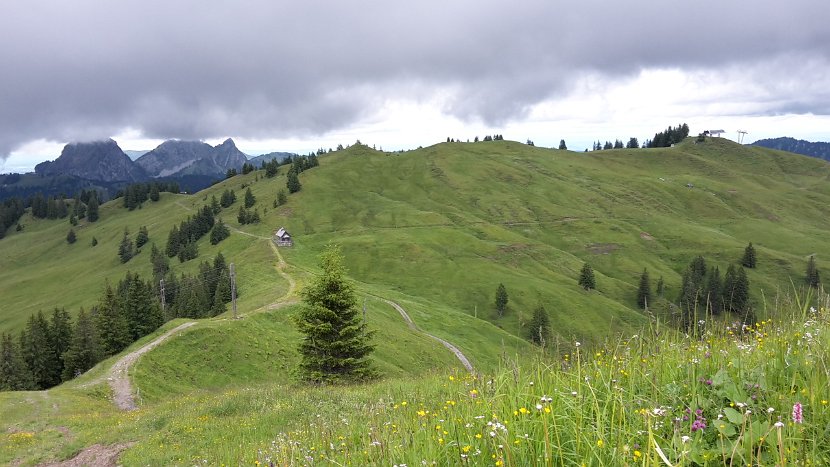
{"points": [[440, 440], [523, 410], [499, 463], [421, 413], [478, 435], [452, 378], [637, 454], [466, 448], [600, 443], [403, 403]]}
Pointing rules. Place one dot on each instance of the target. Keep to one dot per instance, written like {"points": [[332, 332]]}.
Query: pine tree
{"points": [[36, 350], [748, 261], [94, 241], [335, 343], [125, 249], [539, 327], [154, 192], [562, 145], [713, 291], [60, 335], [137, 302], [293, 182], [70, 237], [644, 290], [84, 349], [501, 299], [282, 197], [160, 263], [174, 242], [92, 207], [222, 295], [740, 294], [219, 232], [14, 374], [250, 199], [586, 277], [812, 278], [728, 288], [660, 289], [111, 324], [142, 237]]}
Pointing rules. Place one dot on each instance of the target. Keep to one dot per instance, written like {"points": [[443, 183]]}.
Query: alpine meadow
{"points": [[498, 303]]}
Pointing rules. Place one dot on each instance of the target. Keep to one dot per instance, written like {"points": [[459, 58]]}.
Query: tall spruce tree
{"points": [[92, 207], [84, 349], [60, 335], [661, 286], [748, 260], [142, 237], [125, 248], [501, 300], [335, 343], [250, 199], [38, 352], [293, 181], [586, 277], [644, 290], [14, 374], [812, 277], [712, 292], [111, 324], [539, 327]]}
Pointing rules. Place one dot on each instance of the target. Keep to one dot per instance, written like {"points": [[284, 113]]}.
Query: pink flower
{"points": [[797, 415]]}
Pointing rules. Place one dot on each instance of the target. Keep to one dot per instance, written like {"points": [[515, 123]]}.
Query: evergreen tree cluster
{"points": [[135, 194], [10, 212], [189, 231], [53, 349], [538, 329], [228, 197], [703, 289], [219, 232], [632, 143], [246, 216], [671, 135], [247, 168], [53, 207], [501, 300]]}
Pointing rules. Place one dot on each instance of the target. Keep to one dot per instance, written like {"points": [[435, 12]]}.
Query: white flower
{"points": [[779, 424], [538, 406], [577, 344], [573, 393], [770, 410], [685, 439]]}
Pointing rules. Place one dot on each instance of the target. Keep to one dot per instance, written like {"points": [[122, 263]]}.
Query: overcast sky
{"points": [[295, 76]]}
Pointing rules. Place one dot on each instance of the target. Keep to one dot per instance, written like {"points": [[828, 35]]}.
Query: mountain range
{"points": [[820, 150], [104, 166]]}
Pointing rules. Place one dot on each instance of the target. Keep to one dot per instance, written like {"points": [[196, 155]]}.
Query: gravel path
{"points": [[119, 378], [461, 357]]}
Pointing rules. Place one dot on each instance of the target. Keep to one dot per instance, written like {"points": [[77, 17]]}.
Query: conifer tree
{"points": [[501, 299], [812, 278], [660, 289], [142, 237], [644, 290], [92, 207], [160, 263], [222, 295], [174, 242], [219, 232], [37, 352], [282, 197], [154, 192], [748, 260], [111, 324], [250, 199], [586, 277], [14, 374], [60, 335], [293, 181], [728, 288], [562, 145], [137, 302], [125, 249], [539, 327], [713, 291], [84, 349], [70, 237], [335, 343]]}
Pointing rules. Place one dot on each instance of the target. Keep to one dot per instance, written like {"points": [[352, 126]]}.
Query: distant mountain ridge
{"points": [[280, 156], [175, 157], [94, 160], [819, 149]]}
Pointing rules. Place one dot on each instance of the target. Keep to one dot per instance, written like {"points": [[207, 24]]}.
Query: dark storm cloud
{"points": [[257, 68]]}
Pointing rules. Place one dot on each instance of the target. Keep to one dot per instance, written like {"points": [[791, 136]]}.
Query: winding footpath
{"points": [[119, 378], [458, 354]]}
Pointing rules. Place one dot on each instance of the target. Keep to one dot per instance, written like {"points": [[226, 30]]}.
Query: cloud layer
{"points": [[263, 69]]}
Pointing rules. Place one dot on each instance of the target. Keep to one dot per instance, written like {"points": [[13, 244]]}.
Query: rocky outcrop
{"points": [[95, 160]]}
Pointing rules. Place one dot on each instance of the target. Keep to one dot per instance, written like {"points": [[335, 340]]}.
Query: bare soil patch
{"points": [[646, 236], [602, 248], [94, 456]]}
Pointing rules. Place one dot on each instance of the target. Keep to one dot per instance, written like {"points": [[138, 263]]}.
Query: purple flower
{"points": [[798, 417], [698, 424]]}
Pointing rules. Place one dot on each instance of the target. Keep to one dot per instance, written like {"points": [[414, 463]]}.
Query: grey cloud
{"points": [[194, 69]]}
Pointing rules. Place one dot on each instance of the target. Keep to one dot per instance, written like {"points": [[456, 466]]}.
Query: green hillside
{"points": [[446, 224], [435, 230]]}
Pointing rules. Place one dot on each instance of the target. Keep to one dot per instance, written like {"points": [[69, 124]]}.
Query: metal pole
{"points": [[233, 290]]}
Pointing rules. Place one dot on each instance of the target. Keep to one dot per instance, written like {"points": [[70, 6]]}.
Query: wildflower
{"points": [[779, 424], [538, 406], [637, 454], [797, 414], [577, 344], [600, 443], [685, 439], [770, 410]]}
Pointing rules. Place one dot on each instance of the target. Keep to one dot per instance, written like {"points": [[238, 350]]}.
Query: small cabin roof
{"points": [[281, 232]]}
